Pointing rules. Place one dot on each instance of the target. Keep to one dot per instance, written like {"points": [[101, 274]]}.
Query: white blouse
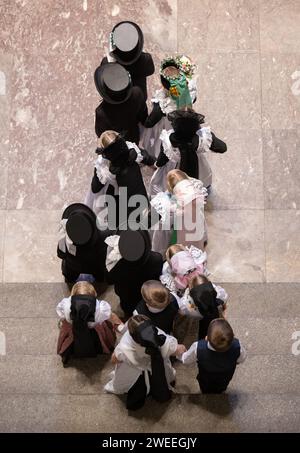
{"points": [[102, 313]]}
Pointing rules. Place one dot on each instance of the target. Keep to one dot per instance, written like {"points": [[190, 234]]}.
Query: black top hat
{"points": [[127, 41], [134, 246], [81, 223], [113, 83]]}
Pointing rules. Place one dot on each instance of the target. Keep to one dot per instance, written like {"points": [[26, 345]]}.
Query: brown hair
{"points": [[198, 280], [174, 177], [83, 289], [107, 138], [173, 249], [220, 334], [134, 322], [155, 294]]}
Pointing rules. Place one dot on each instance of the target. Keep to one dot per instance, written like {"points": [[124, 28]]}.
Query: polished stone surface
{"points": [[239, 256], [279, 25], [219, 25], [283, 245], [281, 168], [30, 246], [248, 73]]}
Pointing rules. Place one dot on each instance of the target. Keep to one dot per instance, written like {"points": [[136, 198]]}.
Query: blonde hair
{"points": [[174, 177], [107, 138], [83, 289], [134, 322], [155, 294], [173, 249], [198, 280]]}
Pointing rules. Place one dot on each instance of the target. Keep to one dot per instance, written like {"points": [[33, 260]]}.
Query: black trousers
{"points": [[137, 394]]}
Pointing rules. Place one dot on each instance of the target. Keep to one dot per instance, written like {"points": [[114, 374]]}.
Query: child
{"points": [[184, 147], [217, 357], [86, 324], [81, 246], [178, 91], [182, 210], [116, 167], [204, 300], [130, 262], [181, 266], [159, 305], [126, 47], [143, 365], [123, 106]]}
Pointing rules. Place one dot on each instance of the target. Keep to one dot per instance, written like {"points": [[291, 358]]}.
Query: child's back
{"points": [[216, 356]]}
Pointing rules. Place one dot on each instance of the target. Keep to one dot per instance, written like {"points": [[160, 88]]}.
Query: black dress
{"points": [[89, 258], [139, 71], [123, 117], [128, 279]]}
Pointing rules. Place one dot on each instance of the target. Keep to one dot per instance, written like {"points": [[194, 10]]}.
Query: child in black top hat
{"points": [[81, 246], [123, 106], [216, 356], [126, 47], [184, 147], [129, 263], [117, 167], [205, 299]]}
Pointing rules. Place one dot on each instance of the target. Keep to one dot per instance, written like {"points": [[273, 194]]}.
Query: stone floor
{"points": [[248, 58]]}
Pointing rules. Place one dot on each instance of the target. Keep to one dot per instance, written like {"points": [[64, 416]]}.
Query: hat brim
{"points": [[139, 49], [98, 79], [79, 206]]}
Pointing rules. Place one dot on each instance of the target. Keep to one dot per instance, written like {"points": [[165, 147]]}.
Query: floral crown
{"points": [[182, 62]]}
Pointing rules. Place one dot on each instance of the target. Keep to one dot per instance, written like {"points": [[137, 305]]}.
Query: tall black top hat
{"points": [[113, 83], [81, 223], [134, 245], [127, 42]]}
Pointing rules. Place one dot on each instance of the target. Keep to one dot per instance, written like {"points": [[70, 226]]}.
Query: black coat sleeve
{"points": [[96, 184], [162, 158], [101, 124], [149, 64], [147, 159], [60, 254], [217, 145], [143, 113], [155, 116]]}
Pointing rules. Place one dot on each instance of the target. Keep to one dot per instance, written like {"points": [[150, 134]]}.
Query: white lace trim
{"points": [[205, 139], [164, 205], [139, 158], [102, 170], [170, 152]]}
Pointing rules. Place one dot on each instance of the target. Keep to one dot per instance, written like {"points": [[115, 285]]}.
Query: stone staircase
{"points": [[39, 395]]}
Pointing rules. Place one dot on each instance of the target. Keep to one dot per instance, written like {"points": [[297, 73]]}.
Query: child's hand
{"points": [[114, 359], [180, 350]]}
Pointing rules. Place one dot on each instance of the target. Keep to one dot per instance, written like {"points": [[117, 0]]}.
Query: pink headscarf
{"points": [[184, 266]]}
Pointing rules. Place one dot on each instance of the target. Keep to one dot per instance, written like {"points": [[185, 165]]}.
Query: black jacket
{"points": [[164, 320], [139, 71], [128, 279], [89, 259], [123, 117]]}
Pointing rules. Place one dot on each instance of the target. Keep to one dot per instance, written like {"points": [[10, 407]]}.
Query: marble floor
{"points": [[248, 63]]}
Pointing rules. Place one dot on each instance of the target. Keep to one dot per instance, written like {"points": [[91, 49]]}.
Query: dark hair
{"points": [[134, 322]]}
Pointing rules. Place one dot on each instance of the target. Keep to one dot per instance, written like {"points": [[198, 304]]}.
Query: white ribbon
{"points": [[113, 254], [64, 240], [139, 157]]}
